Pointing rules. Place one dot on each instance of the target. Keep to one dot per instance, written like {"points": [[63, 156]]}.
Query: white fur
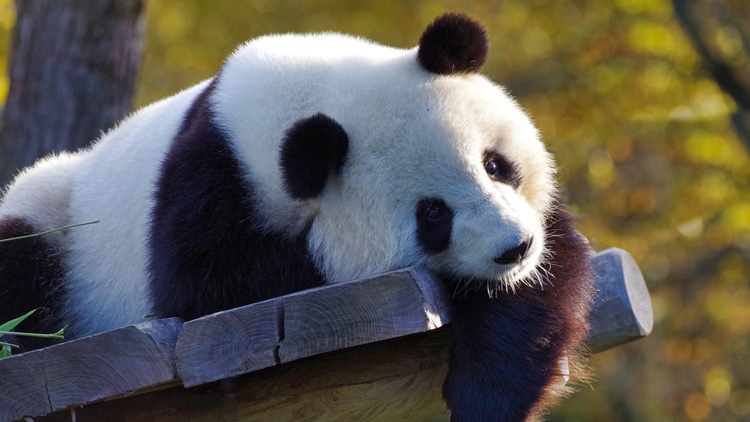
{"points": [[41, 193], [107, 261], [412, 135], [111, 183]]}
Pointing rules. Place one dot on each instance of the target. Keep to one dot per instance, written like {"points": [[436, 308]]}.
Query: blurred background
{"points": [[643, 132]]}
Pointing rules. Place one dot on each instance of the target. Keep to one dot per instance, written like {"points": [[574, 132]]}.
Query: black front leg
{"points": [[506, 361]]}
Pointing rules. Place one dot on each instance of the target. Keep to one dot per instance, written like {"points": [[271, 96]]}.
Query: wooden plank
{"points": [[229, 343], [310, 322], [361, 312], [266, 334], [397, 379], [23, 387], [390, 305], [83, 371]]}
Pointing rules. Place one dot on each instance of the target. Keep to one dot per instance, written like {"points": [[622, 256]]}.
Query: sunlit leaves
{"points": [[649, 37], [7, 19]]}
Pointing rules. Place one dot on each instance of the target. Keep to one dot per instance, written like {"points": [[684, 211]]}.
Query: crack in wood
{"points": [[280, 313]]}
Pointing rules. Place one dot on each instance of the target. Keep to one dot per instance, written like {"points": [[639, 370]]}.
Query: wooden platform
{"points": [[375, 348]]}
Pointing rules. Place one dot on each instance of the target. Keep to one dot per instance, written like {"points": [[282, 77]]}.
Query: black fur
{"points": [[453, 43], [207, 252], [434, 225], [503, 170], [312, 149], [508, 347], [32, 274]]}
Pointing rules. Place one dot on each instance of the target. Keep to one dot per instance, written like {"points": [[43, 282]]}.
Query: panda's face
{"points": [[480, 204], [484, 234], [458, 182], [391, 157]]}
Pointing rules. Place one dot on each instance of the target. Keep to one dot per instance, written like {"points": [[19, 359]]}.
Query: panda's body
{"points": [[313, 159]]}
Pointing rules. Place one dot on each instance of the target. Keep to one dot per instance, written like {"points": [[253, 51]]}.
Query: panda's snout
{"points": [[515, 254]]}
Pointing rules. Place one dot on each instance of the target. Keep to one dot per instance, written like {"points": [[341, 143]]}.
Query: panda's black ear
{"points": [[312, 149], [453, 43]]}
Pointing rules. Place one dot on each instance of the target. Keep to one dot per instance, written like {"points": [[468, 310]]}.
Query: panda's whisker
{"points": [[463, 286], [460, 289]]}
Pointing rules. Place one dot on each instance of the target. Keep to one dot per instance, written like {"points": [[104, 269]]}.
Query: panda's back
{"points": [[107, 261]]}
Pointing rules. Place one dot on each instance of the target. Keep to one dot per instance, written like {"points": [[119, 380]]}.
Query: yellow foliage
{"points": [[7, 20], [651, 37]]}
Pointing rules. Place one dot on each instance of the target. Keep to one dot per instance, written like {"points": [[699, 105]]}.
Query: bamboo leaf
{"points": [[48, 231], [10, 325]]}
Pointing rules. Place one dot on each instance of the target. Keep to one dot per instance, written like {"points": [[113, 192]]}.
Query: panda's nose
{"points": [[515, 254]]}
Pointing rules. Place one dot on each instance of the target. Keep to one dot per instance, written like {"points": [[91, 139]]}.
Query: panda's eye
{"points": [[491, 167], [434, 211], [434, 224], [500, 169]]}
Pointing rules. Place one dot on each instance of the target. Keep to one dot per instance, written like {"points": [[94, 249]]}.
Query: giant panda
{"points": [[311, 160]]}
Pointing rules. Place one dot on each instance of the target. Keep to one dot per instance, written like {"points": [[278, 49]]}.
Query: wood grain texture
{"points": [[228, 343], [86, 370], [310, 322], [394, 380], [365, 311], [23, 387], [355, 313]]}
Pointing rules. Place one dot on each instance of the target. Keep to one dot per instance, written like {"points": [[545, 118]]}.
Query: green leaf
{"points": [[36, 335], [5, 350], [61, 332], [10, 325]]}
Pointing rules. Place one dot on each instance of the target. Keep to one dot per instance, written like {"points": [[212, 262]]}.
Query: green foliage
{"points": [[7, 329]]}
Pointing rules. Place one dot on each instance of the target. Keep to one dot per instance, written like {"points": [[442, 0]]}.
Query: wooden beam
{"points": [[399, 379], [89, 369], [366, 311], [622, 311], [311, 322], [313, 353]]}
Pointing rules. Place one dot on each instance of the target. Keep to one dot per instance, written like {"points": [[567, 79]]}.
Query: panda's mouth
{"points": [[505, 276], [529, 269]]}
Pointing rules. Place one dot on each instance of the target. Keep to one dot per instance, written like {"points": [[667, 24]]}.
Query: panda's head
{"points": [[404, 157]]}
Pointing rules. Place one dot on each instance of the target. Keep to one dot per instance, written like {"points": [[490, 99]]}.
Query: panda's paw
{"points": [[469, 399]]}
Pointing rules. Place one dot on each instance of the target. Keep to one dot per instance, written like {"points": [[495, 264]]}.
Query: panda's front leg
{"points": [[505, 358]]}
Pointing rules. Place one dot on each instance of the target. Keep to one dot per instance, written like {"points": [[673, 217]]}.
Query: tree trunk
{"points": [[73, 69], [703, 22]]}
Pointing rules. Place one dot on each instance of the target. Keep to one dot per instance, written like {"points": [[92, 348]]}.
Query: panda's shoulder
{"points": [[41, 192]]}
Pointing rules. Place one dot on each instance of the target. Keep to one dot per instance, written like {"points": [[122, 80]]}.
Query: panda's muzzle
{"points": [[515, 254]]}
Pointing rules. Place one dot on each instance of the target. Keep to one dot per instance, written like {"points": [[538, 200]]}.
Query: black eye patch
{"points": [[434, 225], [500, 169]]}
